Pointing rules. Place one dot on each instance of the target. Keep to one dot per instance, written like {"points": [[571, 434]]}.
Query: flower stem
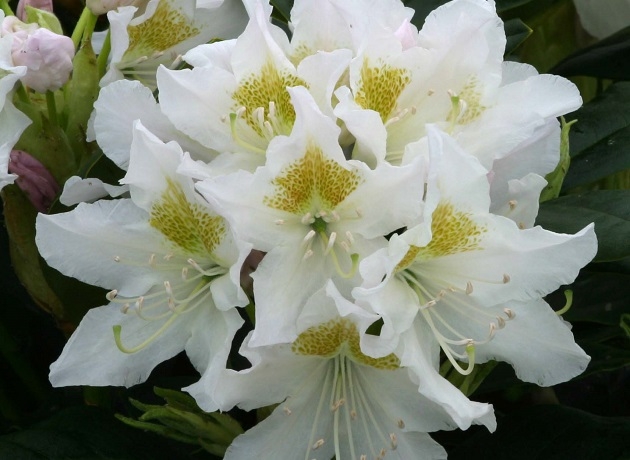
{"points": [[101, 61], [4, 6], [84, 27], [52, 108]]}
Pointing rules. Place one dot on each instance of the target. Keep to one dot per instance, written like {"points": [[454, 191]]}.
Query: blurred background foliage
{"points": [[586, 418]]}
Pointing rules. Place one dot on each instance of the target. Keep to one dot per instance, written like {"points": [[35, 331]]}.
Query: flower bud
{"points": [[46, 55], [34, 179], [46, 5]]}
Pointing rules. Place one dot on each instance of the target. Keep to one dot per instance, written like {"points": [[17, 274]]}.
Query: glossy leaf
{"points": [[608, 209], [550, 432], [600, 140], [516, 32], [607, 58]]}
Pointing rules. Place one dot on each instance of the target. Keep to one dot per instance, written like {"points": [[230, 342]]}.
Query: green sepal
{"points": [[555, 178], [44, 19]]}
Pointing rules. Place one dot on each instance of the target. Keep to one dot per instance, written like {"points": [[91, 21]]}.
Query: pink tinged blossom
{"points": [[46, 5], [34, 179], [46, 55]]}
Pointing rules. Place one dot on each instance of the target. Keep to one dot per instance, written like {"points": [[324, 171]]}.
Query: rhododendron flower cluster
{"points": [[379, 182]]}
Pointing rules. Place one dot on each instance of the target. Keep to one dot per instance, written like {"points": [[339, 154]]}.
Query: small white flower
{"points": [[172, 264], [333, 399], [165, 30], [315, 213], [471, 283]]}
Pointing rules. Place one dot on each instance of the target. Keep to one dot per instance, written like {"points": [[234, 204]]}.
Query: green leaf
{"points": [[423, 8], [600, 140], [550, 432], [283, 8], [609, 209], [86, 433], [607, 58], [80, 94], [504, 5], [516, 32], [599, 297]]}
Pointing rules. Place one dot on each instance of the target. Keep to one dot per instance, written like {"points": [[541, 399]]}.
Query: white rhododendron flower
{"points": [[165, 30], [333, 399], [238, 89], [453, 76], [601, 19], [173, 265], [471, 283], [315, 213]]}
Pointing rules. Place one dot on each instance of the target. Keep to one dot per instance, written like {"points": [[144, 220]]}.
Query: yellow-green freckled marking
{"points": [[187, 225], [453, 232], [270, 85], [327, 340], [165, 29], [379, 88], [472, 97], [312, 183]]}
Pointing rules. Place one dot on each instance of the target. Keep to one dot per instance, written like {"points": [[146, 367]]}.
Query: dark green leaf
{"points": [[550, 433], [609, 209], [504, 5], [86, 433], [600, 297], [516, 32], [423, 8], [283, 8], [600, 140], [607, 58]]}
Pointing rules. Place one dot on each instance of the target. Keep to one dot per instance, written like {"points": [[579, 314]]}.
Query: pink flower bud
{"points": [[34, 179], [46, 5], [46, 55]]}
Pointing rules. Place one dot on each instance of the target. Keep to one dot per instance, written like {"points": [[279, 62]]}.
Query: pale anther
{"points": [[363, 457], [331, 242], [338, 404], [286, 410], [111, 295], [512, 204], [350, 237], [309, 236], [307, 218], [308, 254], [116, 258], [401, 424], [394, 440], [509, 313], [167, 287], [359, 212], [500, 322], [345, 246], [469, 288], [319, 443], [152, 260], [125, 308], [184, 273], [353, 414], [506, 278], [279, 221]]}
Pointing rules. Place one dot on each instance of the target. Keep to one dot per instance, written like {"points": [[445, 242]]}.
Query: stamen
{"points": [[111, 295], [350, 237], [286, 410], [184, 273], [233, 118], [307, 254], [125, 308], [152, 261], [279, 221], [469, 288], [116, 258], [338, 404], [512, 204], [401, 424], [568, 295], [509, 313], [359, 212], [506, 278]]}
